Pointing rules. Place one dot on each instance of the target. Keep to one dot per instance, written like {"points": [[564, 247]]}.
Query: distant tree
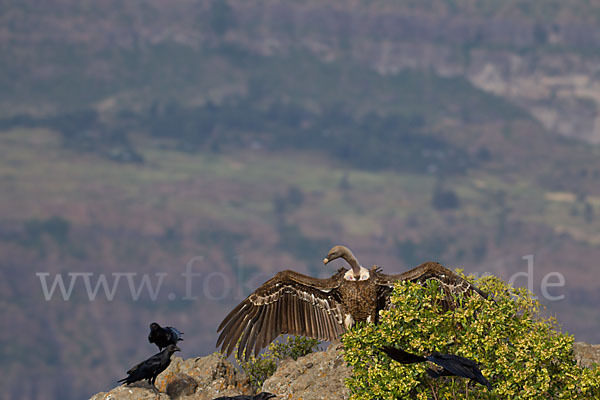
{"points": [[483, 154], [444, 199], [588, 212], [171, 239], [57, 228], [279, 208], [288, 202], [75, 123], [540, 34], [479, 249], [295, 197], [345, 182], [221, 17]]}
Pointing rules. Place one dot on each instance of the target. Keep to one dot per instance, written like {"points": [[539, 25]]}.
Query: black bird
{"points": [[152, 367], [163, 337], [260, 396], [451, 364]]}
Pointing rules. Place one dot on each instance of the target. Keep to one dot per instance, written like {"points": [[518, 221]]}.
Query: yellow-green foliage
{"points": [[523, 354], [259, 369]]}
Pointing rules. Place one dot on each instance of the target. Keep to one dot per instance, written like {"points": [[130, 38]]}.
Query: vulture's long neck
{"points": [[353, 261]]}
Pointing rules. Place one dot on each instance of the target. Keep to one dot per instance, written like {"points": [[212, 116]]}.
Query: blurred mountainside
{"points": [[542, 57], [241, 138]]}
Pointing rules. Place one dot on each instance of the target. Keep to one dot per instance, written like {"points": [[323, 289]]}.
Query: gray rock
{"points": [[214, 376], [586, 354], [201, 378], [317, 376], [181, 385], [134, 391]]}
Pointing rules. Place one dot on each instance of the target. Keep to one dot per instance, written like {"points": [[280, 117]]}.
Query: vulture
{"points": [[293, 303], [451, 365], [163, 337], [152, 367]]}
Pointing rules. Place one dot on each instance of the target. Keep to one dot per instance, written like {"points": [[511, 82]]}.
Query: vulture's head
{"points": [[337, 252], [358, 273]]}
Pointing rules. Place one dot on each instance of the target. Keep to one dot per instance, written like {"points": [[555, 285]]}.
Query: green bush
{"points": [[522, 353], [259, 369]]}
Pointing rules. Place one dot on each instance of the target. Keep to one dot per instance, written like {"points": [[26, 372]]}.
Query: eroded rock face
{"points": [[181, 385], [135, 391], [200, 378], [317, 376], [587, 354]]}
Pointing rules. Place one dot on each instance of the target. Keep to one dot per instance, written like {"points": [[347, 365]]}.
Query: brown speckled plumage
{"points": [[359, 299]]}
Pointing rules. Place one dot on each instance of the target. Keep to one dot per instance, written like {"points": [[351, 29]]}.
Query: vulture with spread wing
{"points": [[293, 303]]}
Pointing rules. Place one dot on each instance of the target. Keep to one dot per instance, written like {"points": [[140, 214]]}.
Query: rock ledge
{"points": [[317, 376]]}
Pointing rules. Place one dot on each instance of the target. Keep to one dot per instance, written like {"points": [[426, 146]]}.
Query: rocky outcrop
{"points": [[317, 376], [133, 392], [200, 378], [587, 354]]}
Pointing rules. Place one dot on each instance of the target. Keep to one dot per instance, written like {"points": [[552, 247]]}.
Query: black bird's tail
{"points": [[264, 396], [402, 356], [481, 379]]}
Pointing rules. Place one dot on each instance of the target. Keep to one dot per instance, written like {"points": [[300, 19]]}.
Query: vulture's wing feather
{"points": [[450, 282], [290, 303]]}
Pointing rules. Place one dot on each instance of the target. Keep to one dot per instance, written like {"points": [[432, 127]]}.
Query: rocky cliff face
{"points": [[546, 68], [317, 376], [587, 354], [545, 61]]}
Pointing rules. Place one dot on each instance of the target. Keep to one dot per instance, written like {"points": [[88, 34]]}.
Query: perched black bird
{"points": [[260, 396], [152, 367], [163, 337], [451, 364]]}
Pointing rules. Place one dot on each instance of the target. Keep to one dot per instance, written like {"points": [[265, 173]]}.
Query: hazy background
{"points": [[251, 136]]}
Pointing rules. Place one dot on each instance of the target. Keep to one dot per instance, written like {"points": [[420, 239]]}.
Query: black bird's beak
{"points": [[177, 348]]}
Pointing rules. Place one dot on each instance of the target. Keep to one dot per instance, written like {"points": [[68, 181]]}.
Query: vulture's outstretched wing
{"points": [[289, 302], [450, 282]]}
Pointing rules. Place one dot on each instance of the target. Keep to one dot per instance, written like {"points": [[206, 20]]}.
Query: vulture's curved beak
{"points": [[325, 260]]}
